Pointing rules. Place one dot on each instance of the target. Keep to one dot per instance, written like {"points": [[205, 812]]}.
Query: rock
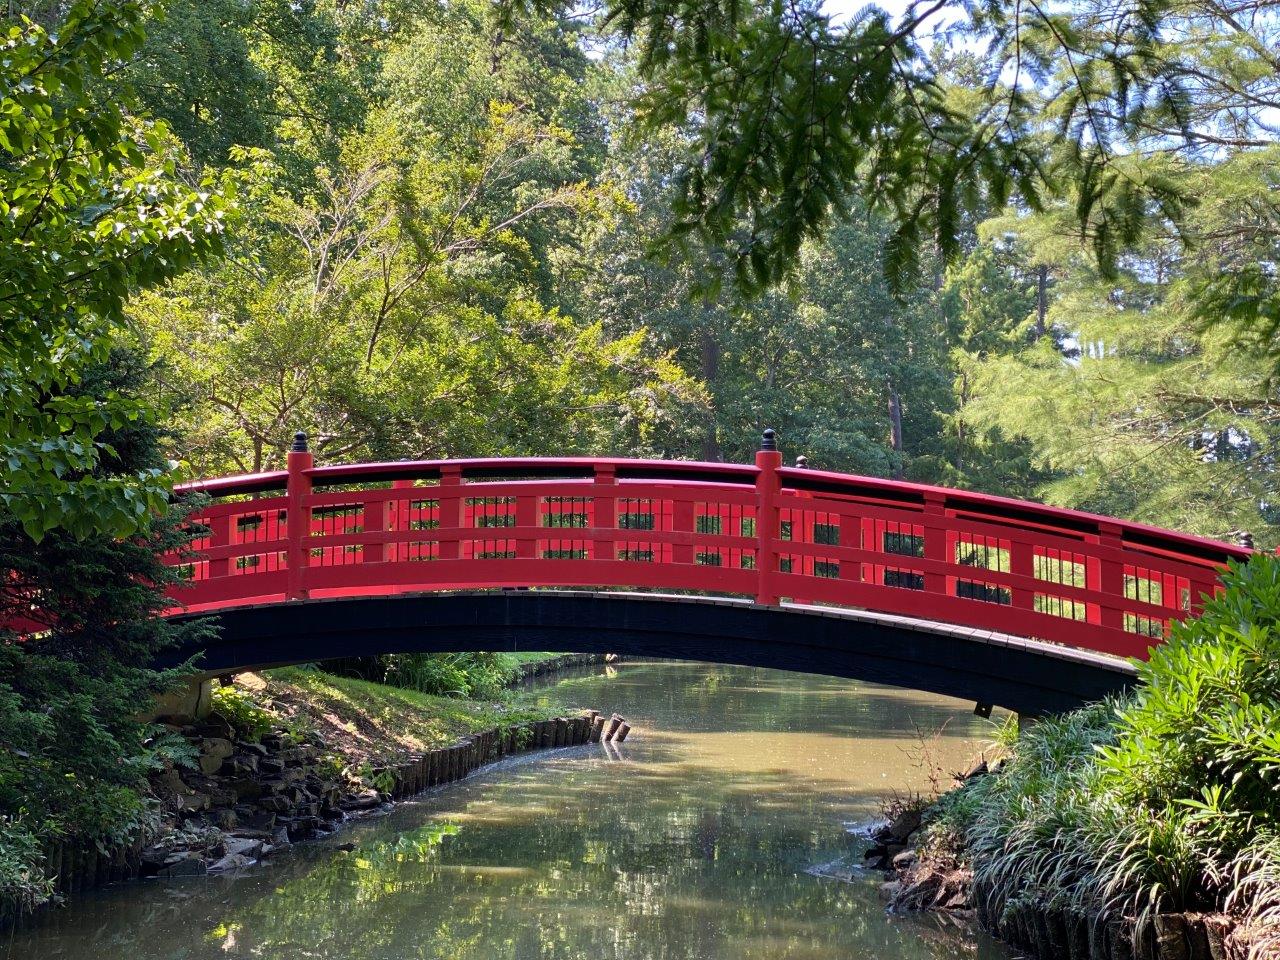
{"points": [[919, 892], [220, 796], [153, 859], [240, 846], [232, 861], [366, 800], [245, 788], [242, 764], [225, 819], [213, 751], [259, 820], [957, 898], [182, 865], [281, 837], [215, 726], [275, 804], [271, 766], [300, 828], [253, 748], [904, 825], [1171, 936], [904, 859], [193, 802]]}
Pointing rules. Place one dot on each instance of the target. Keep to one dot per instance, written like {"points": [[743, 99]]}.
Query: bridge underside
{"points": [[1029, 677]]}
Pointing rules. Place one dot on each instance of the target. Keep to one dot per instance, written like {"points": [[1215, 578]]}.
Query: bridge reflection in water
{"points": [[1005, 601]]}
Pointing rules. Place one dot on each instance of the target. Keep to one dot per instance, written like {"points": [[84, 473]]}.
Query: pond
{"points": [[699, 838]]}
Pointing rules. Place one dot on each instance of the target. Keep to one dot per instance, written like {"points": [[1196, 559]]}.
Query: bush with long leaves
{"points": [[1165, 800]]}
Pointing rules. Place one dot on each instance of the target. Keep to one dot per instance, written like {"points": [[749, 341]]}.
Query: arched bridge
{"points": [[998, 600]]}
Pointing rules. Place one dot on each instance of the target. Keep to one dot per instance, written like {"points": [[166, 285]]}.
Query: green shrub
{"points": [[481, 676], [1197, 751], [251, 721], [1168, 799], [74, 751], [23, 884]]}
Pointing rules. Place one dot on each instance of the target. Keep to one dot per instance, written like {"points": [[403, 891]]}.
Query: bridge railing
{"points": [[762, 531]]}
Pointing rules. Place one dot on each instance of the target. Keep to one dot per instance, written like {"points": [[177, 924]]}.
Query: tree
{"points": [[91, 210], [73, 752], [1141, 408], [402, 302], [792, 114]]}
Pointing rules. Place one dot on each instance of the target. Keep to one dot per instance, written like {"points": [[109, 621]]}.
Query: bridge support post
{"points": [[606, 513], [298, 517], [768, 486]]}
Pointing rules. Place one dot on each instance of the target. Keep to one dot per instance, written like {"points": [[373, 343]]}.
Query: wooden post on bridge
{"points": [[768, 486], [298, 518]]}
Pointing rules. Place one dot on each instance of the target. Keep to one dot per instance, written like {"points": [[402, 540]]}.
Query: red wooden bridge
{"points": [[905, 557]]}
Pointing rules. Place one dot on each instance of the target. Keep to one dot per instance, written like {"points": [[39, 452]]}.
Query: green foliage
{"points": [[91, 209], [476, 676], [23, 885], [251, 721], [401, 298], [73, 752], [1131, 404], [1166, 800]]}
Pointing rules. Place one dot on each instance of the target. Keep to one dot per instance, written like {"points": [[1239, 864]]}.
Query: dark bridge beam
{"points": [[1029, 677]]}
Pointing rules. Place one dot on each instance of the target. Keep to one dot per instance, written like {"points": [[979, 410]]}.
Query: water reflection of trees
{"points": [[579, 858], [660, 868]]}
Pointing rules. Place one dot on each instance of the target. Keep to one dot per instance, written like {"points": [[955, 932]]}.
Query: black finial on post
{"points": [[769, 441], [299, 442]]}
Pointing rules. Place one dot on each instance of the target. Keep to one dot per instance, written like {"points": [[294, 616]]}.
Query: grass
{"points": [[526, 658], [366, 720]]}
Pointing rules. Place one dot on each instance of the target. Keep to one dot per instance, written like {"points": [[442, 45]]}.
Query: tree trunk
{"points": [[710, 372], [895, 429], [495, 52]]}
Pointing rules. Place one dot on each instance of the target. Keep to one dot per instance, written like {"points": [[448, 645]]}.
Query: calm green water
{"points": [[693, 841]]}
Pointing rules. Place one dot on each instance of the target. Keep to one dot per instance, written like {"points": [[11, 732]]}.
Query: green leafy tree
{"points": [[400, 303], [73, 752], [91, 209]]}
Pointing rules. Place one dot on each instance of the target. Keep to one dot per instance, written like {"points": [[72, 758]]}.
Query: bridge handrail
{"points": [[1004, 509], [761, 530]]}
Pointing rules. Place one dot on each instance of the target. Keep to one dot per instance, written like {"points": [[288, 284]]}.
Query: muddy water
{"points": [[696, 840]]}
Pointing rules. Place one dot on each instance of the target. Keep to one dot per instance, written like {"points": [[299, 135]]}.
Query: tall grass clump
{"points": [[1165, 800]]}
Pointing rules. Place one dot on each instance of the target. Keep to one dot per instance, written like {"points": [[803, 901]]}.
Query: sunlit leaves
{"points": [[90, 209]]}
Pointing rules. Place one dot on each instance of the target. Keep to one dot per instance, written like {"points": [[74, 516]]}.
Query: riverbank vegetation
{"points": [[1165, 801], [76, 750], [374, 723], [237, 775]]}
